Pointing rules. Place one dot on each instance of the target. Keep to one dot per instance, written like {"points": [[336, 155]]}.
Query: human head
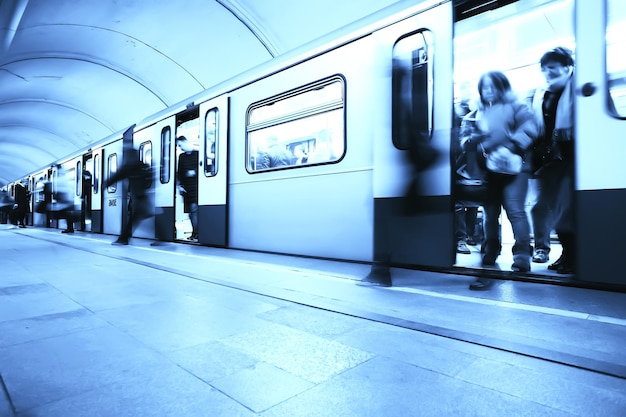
{"points": [[493, 87], [184, 144], [557, 65]]}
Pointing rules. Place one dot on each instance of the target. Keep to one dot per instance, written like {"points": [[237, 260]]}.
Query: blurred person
{"points": [[6, 205], [553, 160], [139, 176], [273, 154], [187, 179], [465, 210], [61, 204], [501, 126]]}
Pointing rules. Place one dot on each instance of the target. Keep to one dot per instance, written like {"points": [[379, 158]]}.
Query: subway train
{"points": [[346, 109]]}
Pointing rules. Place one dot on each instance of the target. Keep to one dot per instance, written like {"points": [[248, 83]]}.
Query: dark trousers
{"points": [[139, 210], [465, 221]]}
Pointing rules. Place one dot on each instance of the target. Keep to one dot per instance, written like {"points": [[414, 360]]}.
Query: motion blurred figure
{"points": [[553, 160], [139, 175]]}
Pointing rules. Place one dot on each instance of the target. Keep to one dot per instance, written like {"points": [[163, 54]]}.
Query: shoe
{"points": [[120, 242], [541, 256], [555, 265], [481, 284], [489, 259], [565, 268], [67, 231], [470, 241], [521, 263], [22, 226], [461, 247]]}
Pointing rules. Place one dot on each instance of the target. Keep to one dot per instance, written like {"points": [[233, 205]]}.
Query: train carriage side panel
{"points": [[316, 210]]}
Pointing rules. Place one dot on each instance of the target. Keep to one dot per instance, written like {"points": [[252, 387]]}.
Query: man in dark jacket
{"points": [[22, 197]]}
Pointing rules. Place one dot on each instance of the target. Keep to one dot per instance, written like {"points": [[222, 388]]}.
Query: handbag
{"points": [[471, 191], [503, 161], [471, 179]]}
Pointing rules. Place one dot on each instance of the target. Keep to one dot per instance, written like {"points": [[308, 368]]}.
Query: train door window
{"points": [[188, 125], [412, 95], [111, 170], [96, 174], [210, 142], [78, 184], [615, 62], [145, 155], [166, 155], [510, 37], [297, 128]]}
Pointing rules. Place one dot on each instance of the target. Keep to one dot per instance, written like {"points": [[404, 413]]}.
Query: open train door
{"points": [[163, 134], [212, 172], [413, 218]]}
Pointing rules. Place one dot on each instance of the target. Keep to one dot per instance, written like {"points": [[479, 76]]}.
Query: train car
{"points": [[344, 149]]}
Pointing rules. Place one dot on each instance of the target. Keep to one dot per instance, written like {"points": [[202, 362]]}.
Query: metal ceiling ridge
{"points": [[256, 29], [11, 13]]}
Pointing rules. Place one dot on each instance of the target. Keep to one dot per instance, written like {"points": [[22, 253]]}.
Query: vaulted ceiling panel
{"points": [[73, 72]]}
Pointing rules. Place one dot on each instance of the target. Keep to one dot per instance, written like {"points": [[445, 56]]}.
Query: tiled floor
{"points": [[90, 329]]}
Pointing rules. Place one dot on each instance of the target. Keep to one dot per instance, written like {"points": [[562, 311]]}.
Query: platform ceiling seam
{"points": [[56, 103], [124, 35], [36, 127], [89, 60]]}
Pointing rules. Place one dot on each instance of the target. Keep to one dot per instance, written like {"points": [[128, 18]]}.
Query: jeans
{"points": [[508, 191], [553, 208]]}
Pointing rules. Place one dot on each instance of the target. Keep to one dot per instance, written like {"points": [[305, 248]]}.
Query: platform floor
{"points": [[91, 329]]}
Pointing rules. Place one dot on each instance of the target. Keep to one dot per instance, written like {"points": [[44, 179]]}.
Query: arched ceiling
{"points": [[75, 71]]}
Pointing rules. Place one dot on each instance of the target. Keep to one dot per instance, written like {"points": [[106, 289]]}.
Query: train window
{"points": [[112, 169], [412, 96], [615, 63], [210, 143], [298, 128], [166, 155], [145, 155], [96, 174]]}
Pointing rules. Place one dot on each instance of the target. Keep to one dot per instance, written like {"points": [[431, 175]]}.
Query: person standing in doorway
{"points": [[187, 181], [502, 123], [553, 160], [22, 201]]}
